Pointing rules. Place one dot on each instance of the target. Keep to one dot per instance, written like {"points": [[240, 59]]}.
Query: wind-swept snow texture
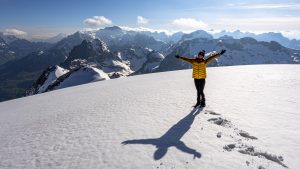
{"points": [[251, 121]]}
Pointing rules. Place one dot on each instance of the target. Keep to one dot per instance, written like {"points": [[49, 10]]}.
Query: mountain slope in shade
{"points": [[18, 76], [251, 121], [13, 48], [53, 39]]}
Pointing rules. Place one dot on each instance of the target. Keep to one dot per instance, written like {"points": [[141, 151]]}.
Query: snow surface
{"points": [[147, 121], [84, 75]]}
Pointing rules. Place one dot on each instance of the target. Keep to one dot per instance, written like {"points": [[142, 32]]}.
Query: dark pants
{"points": [[199, 84]]}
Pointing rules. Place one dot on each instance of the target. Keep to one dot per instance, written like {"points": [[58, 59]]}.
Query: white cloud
{"points": [[97, 21], [294, 34], [188, 24], [15, 32], [287, 25], [141, 29], [259, 24], [266, 6], [142, 21]]}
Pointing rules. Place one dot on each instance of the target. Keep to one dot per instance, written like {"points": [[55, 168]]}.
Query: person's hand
{"points": [[222, 51], [125, 142], [177, 56], [197, 155]]}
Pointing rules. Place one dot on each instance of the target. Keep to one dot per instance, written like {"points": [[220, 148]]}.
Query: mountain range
{"points": [[116, 52], [242, 51], [13, 48], [267, 37]]}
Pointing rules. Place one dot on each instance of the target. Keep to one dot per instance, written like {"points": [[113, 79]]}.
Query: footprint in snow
{"points": [[229, 147], [211, 112], [242, 148], [247, 135], [250, 150], [220, 121]]}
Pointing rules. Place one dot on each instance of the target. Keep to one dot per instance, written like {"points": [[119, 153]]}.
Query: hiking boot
{"points": [[196, 105], [202, 104]]}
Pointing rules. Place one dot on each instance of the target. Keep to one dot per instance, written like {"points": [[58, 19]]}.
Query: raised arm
{"points": [[212, 57], [185, 59], [215, 56]]}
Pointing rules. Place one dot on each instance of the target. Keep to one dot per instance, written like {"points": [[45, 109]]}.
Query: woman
{"points": [[199, 73]]}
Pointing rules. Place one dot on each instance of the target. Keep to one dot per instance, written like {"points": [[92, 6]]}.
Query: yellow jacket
{"points": [[199, 65]]}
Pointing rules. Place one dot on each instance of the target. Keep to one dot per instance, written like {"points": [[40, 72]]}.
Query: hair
{"points": [[202, 52]]}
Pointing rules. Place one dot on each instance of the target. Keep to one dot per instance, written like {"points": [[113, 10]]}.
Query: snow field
{"points": [[146, 121]]}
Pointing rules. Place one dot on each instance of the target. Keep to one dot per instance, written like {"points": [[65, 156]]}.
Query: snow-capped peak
{"points": [[86, 74], [47, 78]]}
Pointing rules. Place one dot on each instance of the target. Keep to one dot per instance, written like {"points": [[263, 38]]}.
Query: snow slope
{"points": [[83, 75], [51, 78], [146, 121]]}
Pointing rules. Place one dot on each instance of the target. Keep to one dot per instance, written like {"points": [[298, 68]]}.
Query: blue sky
{"points": [[41, 18]]}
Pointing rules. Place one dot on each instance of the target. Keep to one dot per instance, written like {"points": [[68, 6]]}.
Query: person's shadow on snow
{"points": [[171, 138]]}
